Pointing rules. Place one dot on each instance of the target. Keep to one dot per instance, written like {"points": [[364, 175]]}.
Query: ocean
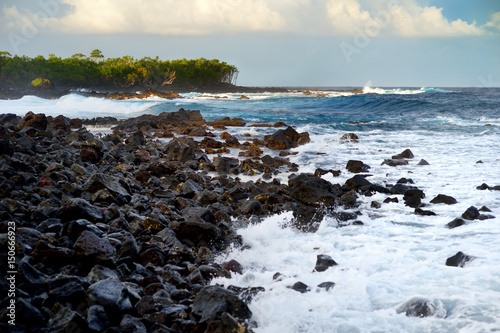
{"points": [[395, 255]]}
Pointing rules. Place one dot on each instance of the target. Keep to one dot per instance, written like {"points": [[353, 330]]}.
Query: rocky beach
{"points": [[122, 230]]}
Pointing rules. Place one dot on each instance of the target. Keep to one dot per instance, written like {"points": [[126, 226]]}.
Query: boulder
{"points": [[79, 208], [251, 207], [100, 181], [233, 266], [458, 260], [357, 182], [455, 223], [286, 139], [37, 121], [445, 199], [326, 285], [223, 165], [413, 197], [63, 319], [472, 213], [97, 319], [349, 137], [313, 190], [212, 301], [111, 294], [422, 307], [355, 166], [178, 151], [323, 262], [300, 287], [405, 154], [91, 248], [394, 162], [201, 233]]}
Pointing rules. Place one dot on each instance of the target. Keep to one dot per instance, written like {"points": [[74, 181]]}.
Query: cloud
{"points": [[402, 18], [412, 20], [495, 21], [204, 17], [187, 17]]}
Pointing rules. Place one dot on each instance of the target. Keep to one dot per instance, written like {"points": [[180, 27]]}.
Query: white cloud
{"points": [[187, 17], [203, 17], [411, 20], [495, 21]]}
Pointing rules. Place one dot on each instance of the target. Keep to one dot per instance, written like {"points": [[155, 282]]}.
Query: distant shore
{"points": [[12, 91]]}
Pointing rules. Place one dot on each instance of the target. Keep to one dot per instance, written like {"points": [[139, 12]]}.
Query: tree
{"points": [[96, 55]]}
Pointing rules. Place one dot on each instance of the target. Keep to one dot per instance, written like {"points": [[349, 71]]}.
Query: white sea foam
{"points": [[395, 256], [77, 106]]}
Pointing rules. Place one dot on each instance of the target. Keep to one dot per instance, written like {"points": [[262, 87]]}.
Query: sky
{"points": [[335, 43]]}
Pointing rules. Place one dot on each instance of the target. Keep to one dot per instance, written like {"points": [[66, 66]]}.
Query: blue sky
{"points": [[431, 43]]}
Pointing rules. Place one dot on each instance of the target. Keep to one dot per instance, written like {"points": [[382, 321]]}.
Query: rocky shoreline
{"points": [[118, 232], [12, 91]]}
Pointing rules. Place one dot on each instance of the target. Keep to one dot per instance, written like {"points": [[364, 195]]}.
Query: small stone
{"points": [[422, 212], [405, 154], [422, 307], [458, 260], [349, 137], [110, 293], [301, 287], [423, 162], [472, 213], [355, 166], [233, 266], [97, 318], [455, 223], [441, 198], [375, 204], [326, 285], [323, 262]]}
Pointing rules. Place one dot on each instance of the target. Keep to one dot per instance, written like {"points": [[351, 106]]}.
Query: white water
{"points": [[395, 256]]}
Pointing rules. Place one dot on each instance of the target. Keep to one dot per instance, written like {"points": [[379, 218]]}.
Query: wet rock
{"points": [[323, 262], [455, 223], [224, 165], [285, 139], [251, 207], [37, 121], [101, 181], [204, 213], [79, 208], [91, 248], [423, 212], [6, 146], [423, 162], [413, 197], [247, 294], [394, 163], [233, 266], [405, 154], [212, 301], [111, 294], [313, 190], [61, 123], [226, 121], [375, 204], [458, 260], [132, 324], [422, 307], [63, 319], [391, 200], [472, 213], [308, 219], [301, 287], [349, 137], [357, 181], [355, 166], [97, 319], [441, 198], [320, 172], [135, 140], [190, 189], [326, 285], [177, 151], [201, 233], [99, 273]]}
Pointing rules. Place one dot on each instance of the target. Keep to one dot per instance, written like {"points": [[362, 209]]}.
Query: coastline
{"points": [[11, 91]]}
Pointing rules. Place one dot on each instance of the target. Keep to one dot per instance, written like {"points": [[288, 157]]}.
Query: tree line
{"points": [[80, 70]]}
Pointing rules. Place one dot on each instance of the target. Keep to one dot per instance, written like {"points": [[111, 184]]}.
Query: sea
{"points": [[395, 255]]}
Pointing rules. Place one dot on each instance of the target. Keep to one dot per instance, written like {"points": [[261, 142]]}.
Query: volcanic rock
{"points": [[458, 260], [323, 262]]}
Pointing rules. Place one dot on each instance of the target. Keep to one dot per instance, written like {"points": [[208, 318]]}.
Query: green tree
{"points": [[96, 55]]}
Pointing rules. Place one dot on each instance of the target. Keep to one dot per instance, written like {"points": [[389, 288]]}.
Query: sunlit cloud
{"points": [[202, 17]]}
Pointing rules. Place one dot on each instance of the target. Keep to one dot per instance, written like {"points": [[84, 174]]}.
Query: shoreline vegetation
{"points": [[96, 76], [121, 78]]}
